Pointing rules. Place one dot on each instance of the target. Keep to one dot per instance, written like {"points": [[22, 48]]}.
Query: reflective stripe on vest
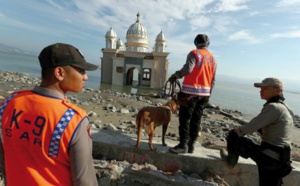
{"points": [[2, 108], [199, 58], [196, 90], [58, 131]]}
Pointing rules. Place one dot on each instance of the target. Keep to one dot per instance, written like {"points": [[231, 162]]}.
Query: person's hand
{"points": [[237, 130], [172, 79]]}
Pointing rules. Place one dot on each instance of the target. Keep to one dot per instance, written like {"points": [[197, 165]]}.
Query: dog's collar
{"points": [[170, 106]]}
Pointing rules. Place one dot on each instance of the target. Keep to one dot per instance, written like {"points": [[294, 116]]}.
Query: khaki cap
{"points": [[271, 81]]}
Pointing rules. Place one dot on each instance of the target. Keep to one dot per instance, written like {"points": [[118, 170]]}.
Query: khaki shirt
{"points": [[276, 122]]}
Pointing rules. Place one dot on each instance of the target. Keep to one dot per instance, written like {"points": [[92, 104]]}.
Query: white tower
{"points": [[111, 38], [160, 43], [120, 45]]}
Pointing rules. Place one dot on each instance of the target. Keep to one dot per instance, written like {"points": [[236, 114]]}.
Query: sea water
{"points": [[241, 97]]}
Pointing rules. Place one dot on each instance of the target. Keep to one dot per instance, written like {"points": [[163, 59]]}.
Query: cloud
{"points": [[2, 15], [287, 3], [243, 35], [292, 34], [68, 20], [158, 12], [200, 22], [231, 5], [254, 13], [54, 4], [173, 17]]}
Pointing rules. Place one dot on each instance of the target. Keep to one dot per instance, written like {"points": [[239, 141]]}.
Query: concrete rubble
{"points": [[124, 173], [119, 163]]}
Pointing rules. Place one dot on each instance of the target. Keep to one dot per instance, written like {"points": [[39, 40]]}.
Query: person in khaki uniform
{"points": [[274, 123], [45, 139]]}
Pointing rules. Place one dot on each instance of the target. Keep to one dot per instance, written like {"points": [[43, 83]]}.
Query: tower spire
{"points": [[138, 17]]}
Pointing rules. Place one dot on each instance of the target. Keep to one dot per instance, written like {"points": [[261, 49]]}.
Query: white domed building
{"points": [[134, 65]]}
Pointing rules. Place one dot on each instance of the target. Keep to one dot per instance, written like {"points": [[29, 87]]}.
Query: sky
{"points": [[250, 39]]}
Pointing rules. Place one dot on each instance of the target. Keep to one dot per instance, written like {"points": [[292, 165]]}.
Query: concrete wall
{"points": [[119, 146], [107, 65], [161, 69], [117, 77]]}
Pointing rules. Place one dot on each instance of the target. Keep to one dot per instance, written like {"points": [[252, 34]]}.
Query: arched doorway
{"points": [[132, 76]]}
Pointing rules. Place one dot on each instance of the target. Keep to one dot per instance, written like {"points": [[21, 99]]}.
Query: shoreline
{"points": [[12, 81], [117, 110]]}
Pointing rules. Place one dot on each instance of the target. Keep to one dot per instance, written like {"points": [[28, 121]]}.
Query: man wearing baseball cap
{"points": [[274, 123], [45, 138]]}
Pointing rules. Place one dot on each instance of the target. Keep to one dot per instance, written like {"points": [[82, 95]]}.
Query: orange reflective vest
{"points": [[36, 135], [199, 81]]}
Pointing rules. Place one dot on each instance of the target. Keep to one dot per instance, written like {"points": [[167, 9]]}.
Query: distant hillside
{"points": [[13, 50], [292, 86]]}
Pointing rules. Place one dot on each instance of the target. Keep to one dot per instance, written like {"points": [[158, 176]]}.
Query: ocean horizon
{"points": [[244, 98]]}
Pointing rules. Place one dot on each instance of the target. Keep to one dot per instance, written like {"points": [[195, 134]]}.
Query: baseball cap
{"points": [[61, 54], [271, 81]]}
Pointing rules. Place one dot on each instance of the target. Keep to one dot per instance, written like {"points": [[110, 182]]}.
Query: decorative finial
{"points": [[138, 17]]}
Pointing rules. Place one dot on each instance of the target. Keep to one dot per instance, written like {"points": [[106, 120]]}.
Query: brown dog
{"points": [[152, 117]]}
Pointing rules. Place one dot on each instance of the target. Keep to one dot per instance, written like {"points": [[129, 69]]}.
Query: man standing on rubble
{"points": [[199, 77]]}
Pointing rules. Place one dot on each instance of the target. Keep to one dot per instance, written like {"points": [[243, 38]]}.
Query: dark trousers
{"points": [[270, 171], [267, 178], [190, 116], [265, 164]]}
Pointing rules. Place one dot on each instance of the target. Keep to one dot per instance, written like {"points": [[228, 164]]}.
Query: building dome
{"points": [[119, 44], [111, 33], [137, 38], [137, 29], [110, 38], [160, 43], [160, 37]]}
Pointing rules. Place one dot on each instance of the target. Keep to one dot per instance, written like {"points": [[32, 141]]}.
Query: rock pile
{"points": [[111, 172]]}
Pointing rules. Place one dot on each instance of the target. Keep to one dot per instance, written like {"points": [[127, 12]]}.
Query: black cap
{"points": [[201, 40], [61, 54]]}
